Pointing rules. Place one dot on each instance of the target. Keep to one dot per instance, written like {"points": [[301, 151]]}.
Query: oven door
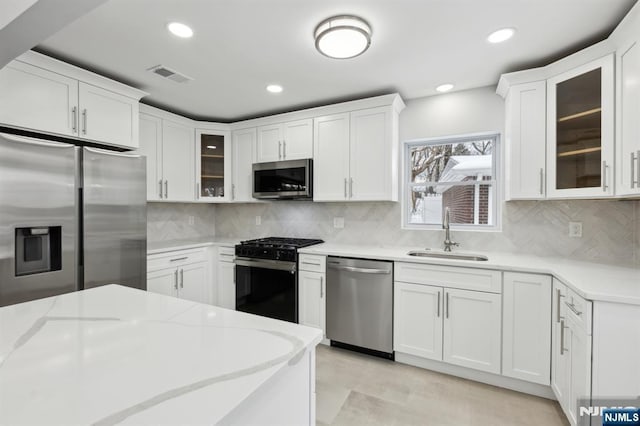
{"points": [[267, 287]]}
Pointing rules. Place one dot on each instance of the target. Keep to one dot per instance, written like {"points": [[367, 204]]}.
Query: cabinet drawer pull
{"points": [[573, 308], [179, 258], [311, 263]]}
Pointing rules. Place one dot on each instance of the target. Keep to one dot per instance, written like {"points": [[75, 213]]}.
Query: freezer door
{"points": [[114, 219], [38, 219]]}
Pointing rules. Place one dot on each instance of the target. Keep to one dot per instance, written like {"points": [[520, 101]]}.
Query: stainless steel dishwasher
{"points": [[360, 305]]}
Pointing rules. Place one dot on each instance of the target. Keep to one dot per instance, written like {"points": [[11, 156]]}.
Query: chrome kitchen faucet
{"points": [[447, 235]]}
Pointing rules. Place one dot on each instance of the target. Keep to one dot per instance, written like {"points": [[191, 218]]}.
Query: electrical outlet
{"points": [[191, 220], [258, 220], [338, 222], [575, 229]]}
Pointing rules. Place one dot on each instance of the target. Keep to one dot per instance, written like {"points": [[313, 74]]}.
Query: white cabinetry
{"points": [[355, 155], [526, 346], [628, 119], [571, 373], [525, 109], [285, 141], [43, 94], [312, 291], [151, 148], [243, 156], [226, 281], [213, 165], [177, 161], [448, 310], [182, 273]]}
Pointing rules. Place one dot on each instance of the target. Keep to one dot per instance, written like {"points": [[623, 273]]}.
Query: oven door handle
{"points": [[266, 264]]}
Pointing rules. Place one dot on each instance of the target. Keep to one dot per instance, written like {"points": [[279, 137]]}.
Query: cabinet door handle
{"points": [[447, 305], [438, 305], [181, 278], [633, 172], [562, 348], [559, 296], [284, 149], [279, 150], [604, 176], [175, 280], [541, 181], [351, 188], [160, 183], [74, 119], [84, 121], [166, 189], [345, 188], [233, 191], [197, 190], [638, 168], [573, 308], [321, 287]]}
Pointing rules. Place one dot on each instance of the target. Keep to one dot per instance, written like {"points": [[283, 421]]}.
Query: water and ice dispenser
{"points": [[38, 250]]}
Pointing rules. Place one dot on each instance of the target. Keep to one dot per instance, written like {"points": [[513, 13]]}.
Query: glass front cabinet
{"points": [[580, 126], [213, 165]]}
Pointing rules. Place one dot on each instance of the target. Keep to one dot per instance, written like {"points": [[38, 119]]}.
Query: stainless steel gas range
{"points": [[267, 276]]}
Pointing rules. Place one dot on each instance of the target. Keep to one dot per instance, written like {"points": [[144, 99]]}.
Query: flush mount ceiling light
{"points": [[501, 35], [343, 37], [444, 87], [274, 88], [180, 30]]}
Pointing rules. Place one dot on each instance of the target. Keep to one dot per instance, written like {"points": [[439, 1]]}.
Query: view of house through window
{"points": [[458, 173]]}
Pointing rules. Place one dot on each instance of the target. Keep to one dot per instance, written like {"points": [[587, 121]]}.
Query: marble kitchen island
{"points": [[116, 355]]}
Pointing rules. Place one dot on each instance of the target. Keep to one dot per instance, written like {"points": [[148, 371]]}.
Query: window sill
{"points": [[454, 228]]}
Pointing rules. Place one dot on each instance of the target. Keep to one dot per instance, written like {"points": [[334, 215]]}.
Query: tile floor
{"points": [[355, 389]]}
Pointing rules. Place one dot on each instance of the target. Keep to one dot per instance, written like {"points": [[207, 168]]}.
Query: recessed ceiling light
{"points": [[180, 30], [343, 37], [444, 87], [501, 35], [274, 88]]}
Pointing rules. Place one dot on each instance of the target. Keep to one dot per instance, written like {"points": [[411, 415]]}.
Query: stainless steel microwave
{"points": [[292, 179]]}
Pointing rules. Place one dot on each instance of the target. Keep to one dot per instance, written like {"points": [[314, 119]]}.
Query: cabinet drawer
{"points": [[174, 258], [312, 263], [226, 254], [447, 276], [578, 310]]}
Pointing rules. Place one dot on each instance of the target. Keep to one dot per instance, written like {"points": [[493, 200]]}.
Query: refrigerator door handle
{"points": [[113, 153], [38, 142]]}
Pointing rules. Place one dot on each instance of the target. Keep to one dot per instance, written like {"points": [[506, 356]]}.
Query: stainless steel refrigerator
{"points": [[70, 218]]}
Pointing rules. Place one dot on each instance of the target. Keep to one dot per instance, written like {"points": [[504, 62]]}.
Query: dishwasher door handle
{"points": [[360, 270]]}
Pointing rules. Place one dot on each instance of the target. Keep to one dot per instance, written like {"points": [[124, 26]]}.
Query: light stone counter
{"points": [[113, 354], [171, 245], [593, 281]]}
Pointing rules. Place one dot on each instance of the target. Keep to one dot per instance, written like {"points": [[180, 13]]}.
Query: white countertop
{"points": [[593, 281], [189, 243], [114, 354]]}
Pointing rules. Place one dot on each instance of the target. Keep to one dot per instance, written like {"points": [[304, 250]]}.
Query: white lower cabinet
{"points": [[182, 273], [312, 291], [417, 325], [526, 345], [226, 281], [455, 325], [472, 323]]}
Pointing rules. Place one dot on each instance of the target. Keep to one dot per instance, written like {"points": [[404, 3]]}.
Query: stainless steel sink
{"points": [[443, 255]]}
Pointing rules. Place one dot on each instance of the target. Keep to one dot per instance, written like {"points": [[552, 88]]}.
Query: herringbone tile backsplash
{"points": [[611, 229]]}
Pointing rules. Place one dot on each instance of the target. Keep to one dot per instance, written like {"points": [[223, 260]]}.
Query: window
{"points": [[458, 173]]}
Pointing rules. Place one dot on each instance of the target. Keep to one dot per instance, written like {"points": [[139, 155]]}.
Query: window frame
{"points": [[496, 182]]}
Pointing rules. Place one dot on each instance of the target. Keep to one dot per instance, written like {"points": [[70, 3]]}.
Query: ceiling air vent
{"points": [[170, 74]]}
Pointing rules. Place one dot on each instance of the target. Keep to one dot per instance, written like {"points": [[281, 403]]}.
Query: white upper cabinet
{"points": [[285, 141], [356, 155], [177, 161], [525, 144], [373, 156], [580, 131], [43, 94], [34, 98], [628, 119], [151, 147], [213, 165], [243, 156], [331, 158], [107, 117]]}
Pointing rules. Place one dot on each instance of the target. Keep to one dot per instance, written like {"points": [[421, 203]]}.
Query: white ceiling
{"points": [[240, 46]]}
